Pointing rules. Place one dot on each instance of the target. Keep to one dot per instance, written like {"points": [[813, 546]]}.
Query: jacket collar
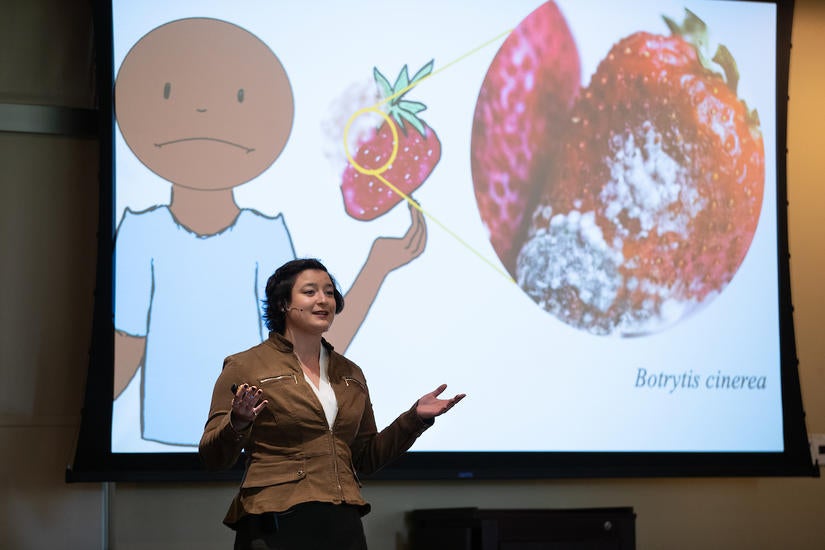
{"points": [[280, 342]]}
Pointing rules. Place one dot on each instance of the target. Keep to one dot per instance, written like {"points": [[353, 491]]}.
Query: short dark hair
{"points": [[279, 291]]}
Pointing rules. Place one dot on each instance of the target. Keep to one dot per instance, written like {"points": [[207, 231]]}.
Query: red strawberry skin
{"points": [[526, 94], [366, 197], [655, 199]]}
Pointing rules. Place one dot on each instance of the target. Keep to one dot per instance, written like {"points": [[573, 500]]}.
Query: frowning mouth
{"points": [[233, 144]]}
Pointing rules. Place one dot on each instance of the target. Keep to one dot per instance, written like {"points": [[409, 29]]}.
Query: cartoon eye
{"points": [[167, 90], [240, 95]]}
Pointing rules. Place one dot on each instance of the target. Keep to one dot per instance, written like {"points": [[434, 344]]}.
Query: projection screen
{"points": [[572, 211]]}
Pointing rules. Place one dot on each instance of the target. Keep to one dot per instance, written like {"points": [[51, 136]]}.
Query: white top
{"points": [[324, 390]]}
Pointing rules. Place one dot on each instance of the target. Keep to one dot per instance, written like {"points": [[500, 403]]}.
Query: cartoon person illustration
{"points": [[207, 106]]}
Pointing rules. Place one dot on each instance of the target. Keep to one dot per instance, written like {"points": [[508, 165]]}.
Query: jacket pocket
{"points": [[290, 377], [266, 474], [351, 381]]}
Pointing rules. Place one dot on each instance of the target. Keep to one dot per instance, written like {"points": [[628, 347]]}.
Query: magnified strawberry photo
{"points": [[526, 96], [624, 206]]}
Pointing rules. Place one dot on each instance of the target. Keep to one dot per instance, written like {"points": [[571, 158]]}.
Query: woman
{"points": [[303, 414]]}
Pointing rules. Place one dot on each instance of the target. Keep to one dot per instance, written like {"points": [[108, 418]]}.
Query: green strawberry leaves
{"points": [[694, 31], [402, 110]]}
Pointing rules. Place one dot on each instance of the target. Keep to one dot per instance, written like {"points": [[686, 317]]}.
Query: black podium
{"points": [[522, 529]]}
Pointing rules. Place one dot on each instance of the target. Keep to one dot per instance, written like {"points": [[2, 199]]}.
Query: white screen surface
{"points": [[452, 314]]}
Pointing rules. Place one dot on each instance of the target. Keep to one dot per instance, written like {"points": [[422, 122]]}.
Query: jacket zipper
{"points": [[279, 377], [335, 464]]}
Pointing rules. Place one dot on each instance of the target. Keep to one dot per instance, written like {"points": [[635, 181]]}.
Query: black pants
{"points": [[309, 526]]}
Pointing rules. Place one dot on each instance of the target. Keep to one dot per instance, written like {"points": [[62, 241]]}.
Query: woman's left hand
{"points": [[430, 406]]}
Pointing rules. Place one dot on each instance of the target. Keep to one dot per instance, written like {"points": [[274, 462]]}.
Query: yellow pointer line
{"points": [[450, 64], [417, 206], [414, 204]]}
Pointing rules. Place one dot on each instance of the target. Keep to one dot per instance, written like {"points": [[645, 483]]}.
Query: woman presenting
{"points": [[303, 413]]}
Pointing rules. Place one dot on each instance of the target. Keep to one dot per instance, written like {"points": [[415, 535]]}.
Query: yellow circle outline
{"points": [[393, 129]]}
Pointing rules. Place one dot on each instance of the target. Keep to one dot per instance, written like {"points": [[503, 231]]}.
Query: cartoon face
{"points": [[203, 103]]}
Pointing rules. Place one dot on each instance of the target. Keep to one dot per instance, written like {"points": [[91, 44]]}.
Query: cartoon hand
{"points": [[431, 406], [246, 405], [393, 252], [386, 254]]}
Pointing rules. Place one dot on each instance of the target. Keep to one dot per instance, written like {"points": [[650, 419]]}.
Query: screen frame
{"points": [[94, 461]]}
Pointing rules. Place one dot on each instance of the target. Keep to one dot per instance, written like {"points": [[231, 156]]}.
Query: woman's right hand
{"points": [[246, 405]]}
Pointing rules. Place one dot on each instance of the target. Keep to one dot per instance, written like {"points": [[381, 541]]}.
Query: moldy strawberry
{"points": [[655, 199]]}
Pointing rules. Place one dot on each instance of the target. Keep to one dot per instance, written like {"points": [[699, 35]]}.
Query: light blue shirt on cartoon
{"points": [[196, 299]]}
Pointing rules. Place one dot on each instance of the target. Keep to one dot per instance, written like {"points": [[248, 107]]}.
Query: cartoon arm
{"points": [[386, 254], [129, 353]]}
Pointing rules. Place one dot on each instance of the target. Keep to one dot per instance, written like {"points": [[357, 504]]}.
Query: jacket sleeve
{"points": [[372, 450], [221, 444]]}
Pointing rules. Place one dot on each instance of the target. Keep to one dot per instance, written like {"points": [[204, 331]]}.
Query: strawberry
{"points": [[526, 94], [657, 193], [366, 196]]}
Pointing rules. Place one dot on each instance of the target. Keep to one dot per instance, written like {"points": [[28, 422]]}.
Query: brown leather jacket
{"points": [[292, 454]]}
